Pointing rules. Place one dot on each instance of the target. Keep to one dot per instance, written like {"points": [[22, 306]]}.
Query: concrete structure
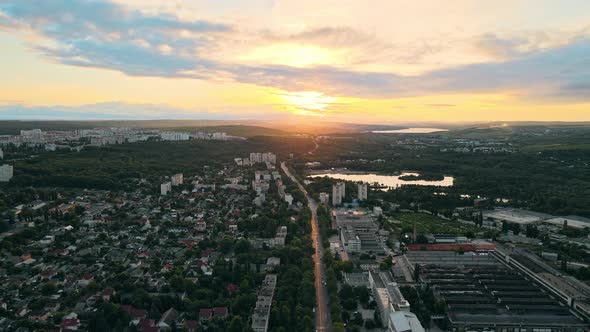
{"points": [[377, 211], [165, 188], [32, 136], [402, 321], [351, 243], [484, 297], [259, 200], [338, 193], [175, 136], [325, 198], [356, 279], [568, 290], [389, 299], [289, 199], [355, 226], [177, 179], [267, 157], [6, 173], [363, 189], [261, 315]]}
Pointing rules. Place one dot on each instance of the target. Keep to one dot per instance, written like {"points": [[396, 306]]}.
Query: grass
{"points": [[426, 223]]}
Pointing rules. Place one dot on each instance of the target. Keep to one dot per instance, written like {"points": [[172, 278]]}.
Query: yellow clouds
{"points": [[291, 54]]}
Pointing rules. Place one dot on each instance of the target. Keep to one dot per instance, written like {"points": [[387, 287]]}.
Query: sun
{"points": [[308, 102]]}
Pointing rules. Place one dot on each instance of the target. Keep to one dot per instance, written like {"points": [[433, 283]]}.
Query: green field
{"points": [[426, 223]]}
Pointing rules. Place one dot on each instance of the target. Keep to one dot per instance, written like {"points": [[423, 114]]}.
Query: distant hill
{"points": [[248, 128], [237, 128]]}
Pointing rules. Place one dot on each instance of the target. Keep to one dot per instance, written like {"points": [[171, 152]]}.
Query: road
{"points": [[323, 321]]}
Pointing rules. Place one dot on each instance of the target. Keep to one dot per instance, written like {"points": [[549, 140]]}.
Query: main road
{"points": [[323, 321]]}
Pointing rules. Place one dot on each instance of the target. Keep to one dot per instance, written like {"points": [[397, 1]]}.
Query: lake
{"points": [[409, 131], [389, 181]]}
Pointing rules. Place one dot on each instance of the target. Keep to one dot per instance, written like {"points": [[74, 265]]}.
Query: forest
{"points": [[546, 174], [118, 166]]}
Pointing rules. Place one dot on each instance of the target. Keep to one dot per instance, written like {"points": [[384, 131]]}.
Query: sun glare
{"points": [[308, 102]]}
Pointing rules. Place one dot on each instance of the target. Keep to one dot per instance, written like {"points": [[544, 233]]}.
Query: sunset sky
{"points": [[359, 61]]}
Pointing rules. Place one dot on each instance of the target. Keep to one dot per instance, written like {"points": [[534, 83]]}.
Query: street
{"points": [[323, 321]]}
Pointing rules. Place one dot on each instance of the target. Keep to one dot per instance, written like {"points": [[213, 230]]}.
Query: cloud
{"points": [[111, 36], [562, 72], [111, 110], [128, 111], [440, 105], [106, 35]]}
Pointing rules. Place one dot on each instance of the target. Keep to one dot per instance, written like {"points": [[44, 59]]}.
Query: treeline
{"points": [[294, 299], [111, 167], [324, 220]]}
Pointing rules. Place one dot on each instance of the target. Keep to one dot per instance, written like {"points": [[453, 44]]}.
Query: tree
{"points": [[421, 239], [226, 244], [236, 324], [357, 318], [338, 327], [48, 289], [242, 246], [417, 272], [516, 229]]}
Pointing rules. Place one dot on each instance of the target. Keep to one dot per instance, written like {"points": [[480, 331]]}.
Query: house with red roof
{"points": [[70, 324]]}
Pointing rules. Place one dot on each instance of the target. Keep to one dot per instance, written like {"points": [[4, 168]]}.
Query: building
{"points": [[261, 315], [351, 243], [280, 237], [495, 296], [177, 179], [175, 136], [1, 154], [390, 300], [289, 199], [165, 188], [338, 193], [259, 200], [363, 189], [403, 321], [32, 136], [267, 157], [324, 198], [6, 173], [377, 211]]}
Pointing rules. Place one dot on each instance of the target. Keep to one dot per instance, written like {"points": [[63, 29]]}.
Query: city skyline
{"points": [[392, 62]]}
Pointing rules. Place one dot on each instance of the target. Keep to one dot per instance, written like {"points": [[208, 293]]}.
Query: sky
{"points": [[357, 61]]}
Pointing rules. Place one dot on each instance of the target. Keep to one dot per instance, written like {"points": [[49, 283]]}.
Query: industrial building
{"points": [[482, 294]]}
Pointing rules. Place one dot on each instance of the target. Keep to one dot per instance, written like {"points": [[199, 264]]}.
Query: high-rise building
{"points": [[177, 179], [32, 136], [267, 157], [363, 189], [6, 173], [324, 198], [165, 188]]}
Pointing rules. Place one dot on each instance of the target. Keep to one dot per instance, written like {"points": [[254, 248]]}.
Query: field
{"points": [[426, 223]]}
